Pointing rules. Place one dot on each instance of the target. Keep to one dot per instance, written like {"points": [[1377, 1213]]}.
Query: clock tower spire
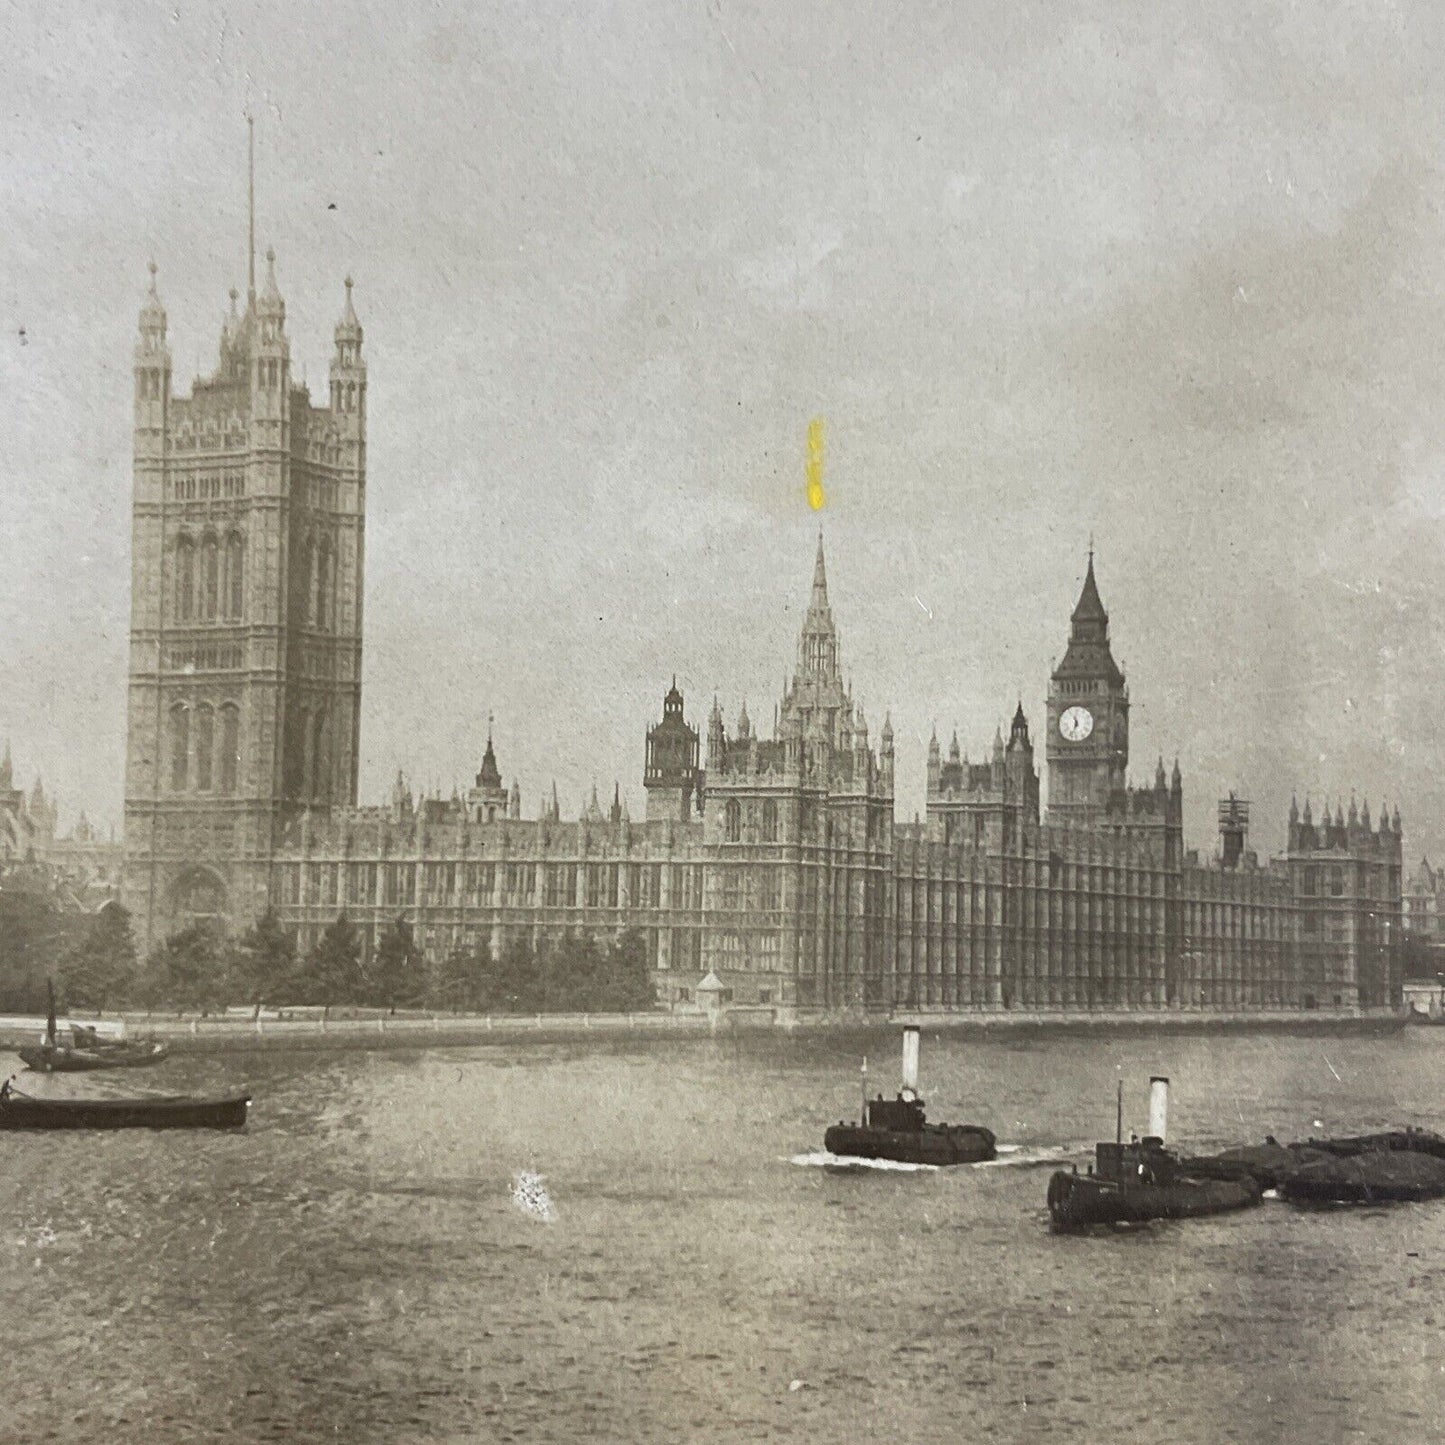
{"points": [[1088, 722]]}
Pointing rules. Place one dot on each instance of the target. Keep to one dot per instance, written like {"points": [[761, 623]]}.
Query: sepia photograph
{"points": [[722, 721]]}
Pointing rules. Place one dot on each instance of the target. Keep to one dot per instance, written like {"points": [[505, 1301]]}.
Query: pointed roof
{"points": [[819, 598], [490, 775], [1090, 607], [271, 301], [152, 311], [1088, 654], [348, 328]]}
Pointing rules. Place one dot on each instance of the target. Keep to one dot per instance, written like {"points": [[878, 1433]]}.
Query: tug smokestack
{"points": [[1158, 1108], [910, 1058]]}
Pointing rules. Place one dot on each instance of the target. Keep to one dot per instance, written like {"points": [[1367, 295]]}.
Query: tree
{"points": [[333, 968], [33, 933], [629, 986], [575, 974], [397, 975], [263, 962], [100, 967], [514, 983], [456, 984], [188, 968]]}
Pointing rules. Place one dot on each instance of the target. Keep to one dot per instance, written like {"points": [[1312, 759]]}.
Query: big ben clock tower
{"points": [[1088, 728]]}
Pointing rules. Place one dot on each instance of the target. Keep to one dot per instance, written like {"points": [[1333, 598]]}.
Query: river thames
{"points": [[354, 1267]]}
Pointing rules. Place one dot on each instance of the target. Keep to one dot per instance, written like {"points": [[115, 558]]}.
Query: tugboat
{"points": [[1141, 1180], [897, 1129]]}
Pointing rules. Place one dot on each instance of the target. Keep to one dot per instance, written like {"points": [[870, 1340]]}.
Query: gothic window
{"points": [[732, 821], [770, 821], [308, 578], [205, 744], [230, 746], [185, 578], [319, 758], [210, 578], [768, 894], [323, 580], [294, 776], [235, 575], [305, 738], [180, 746]]}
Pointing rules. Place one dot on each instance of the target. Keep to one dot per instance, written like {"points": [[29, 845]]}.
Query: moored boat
{"points": [[86, 1049], [1142, 1180], [24, 1111], [49, 1058], [898, 1129]]}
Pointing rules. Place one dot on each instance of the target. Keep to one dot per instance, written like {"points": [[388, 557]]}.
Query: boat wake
{"points": [[821, 1159], [1025, 1156], [1010, 1156]]}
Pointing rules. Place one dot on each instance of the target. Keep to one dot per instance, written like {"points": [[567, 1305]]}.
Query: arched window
{"points": [[770, 821], [323, 580], [306, 738], [230, 747], [185, 578], [308, 581], [205, 745], [296, 770], [235, 575], [732, 821], [180, 746], [320, 759], [210, 578]]}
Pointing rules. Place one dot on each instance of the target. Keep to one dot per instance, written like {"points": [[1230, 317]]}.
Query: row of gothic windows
{"points": [[733, 822], [209, 578], [205, 748], [345, 395]]}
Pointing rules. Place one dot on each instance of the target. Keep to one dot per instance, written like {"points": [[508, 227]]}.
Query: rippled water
{"points": [[354, 1266]]}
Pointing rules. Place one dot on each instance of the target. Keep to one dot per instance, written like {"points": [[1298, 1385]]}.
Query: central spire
{"points": [[818, 643], [820, 579]]}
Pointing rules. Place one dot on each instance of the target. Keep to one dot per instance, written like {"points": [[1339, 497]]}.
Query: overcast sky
{"points": [[1169, 274]]}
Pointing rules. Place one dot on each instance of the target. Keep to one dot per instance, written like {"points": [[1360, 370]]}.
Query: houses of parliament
{"points": [[774, 864]]}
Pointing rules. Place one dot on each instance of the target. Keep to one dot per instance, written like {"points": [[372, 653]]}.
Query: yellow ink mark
{"points": [[816, 497]]}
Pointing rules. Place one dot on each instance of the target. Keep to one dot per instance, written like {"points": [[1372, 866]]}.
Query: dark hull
{"points": [[941, 1144], [1382, 1177], [1277, 1166], [44, 1060], [178, 1113], [1078, 1201]]}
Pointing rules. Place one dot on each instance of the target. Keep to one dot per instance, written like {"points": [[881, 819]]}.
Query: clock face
{"points": [[1076, 724]]}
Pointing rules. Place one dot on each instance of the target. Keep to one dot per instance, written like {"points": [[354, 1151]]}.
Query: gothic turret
{"points": [[671, 774], [487, 800], [348, 375]]}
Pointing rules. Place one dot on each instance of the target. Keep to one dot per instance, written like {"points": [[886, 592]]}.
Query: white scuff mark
{"points": [[919, 601], [529, 1194], [1332, 1069]]}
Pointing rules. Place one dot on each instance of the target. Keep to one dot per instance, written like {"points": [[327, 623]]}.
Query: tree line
{"points": [[96, 966]]}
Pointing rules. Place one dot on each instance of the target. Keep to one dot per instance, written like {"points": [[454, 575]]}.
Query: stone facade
{"points": [[776, 868], [246, 600], [795, 888]]}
